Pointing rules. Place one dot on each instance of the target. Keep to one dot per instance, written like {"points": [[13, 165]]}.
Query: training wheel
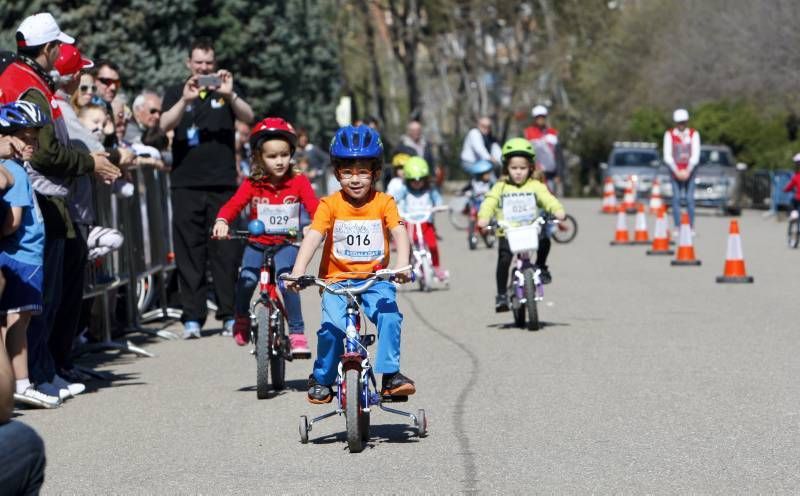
{"points": [[304, 428], [422, 423]]}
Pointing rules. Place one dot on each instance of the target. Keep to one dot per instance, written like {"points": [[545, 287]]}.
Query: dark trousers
{"points": [[22, 460], [193, 214], [504, 258], [41, 367], [68, 314]]}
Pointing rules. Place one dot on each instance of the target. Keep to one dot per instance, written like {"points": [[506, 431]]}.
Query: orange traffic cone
{"points": [[621, 233], [685, 247], [609, 197], [629, 199], [660, 244], [655, 197], [734, 261], [640, 235]]}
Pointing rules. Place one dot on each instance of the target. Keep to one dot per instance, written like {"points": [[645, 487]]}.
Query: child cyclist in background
{"points": [[355, 223], [416, 201], [22, 250], [794, 184], [514, 199], [274, 192], [396, 186]]}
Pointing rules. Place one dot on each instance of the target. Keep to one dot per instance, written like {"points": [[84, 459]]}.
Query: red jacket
{"points": [[276, 205], [794, 182]]}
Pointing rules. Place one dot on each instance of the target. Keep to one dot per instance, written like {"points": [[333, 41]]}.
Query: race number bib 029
{"points": [[279, 218], [358, 240], [519, 208]]}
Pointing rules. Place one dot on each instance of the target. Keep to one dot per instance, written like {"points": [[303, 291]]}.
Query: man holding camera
{"points": [[202, 112]]}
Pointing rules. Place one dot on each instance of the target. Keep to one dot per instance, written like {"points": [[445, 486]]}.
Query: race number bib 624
{"points": [[280, 218], [358, 240], [519, 208]]}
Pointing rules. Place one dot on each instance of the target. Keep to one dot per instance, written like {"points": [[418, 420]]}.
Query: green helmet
{"points": [[518, 147], [416, 168]]}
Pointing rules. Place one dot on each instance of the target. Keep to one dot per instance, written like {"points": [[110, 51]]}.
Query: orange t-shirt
{"points": [[356, 238]]}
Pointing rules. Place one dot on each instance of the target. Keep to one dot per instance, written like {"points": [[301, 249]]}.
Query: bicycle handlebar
{"points": [[426, 211], [308, 280]]}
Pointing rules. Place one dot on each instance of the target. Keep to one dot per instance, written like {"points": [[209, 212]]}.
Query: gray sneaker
{"points": [[227, 328], [38, 399]]}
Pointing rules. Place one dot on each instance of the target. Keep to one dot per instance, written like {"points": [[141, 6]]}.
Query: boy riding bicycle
{"points": [[355, 224], [514, 199]]}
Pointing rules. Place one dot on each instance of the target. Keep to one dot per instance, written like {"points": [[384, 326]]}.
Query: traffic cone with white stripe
{"points": [[621, 236], [734, 261], [609, 197], [629, 199], [685, 247], [660, 244], [640, 235], [656, 202]]}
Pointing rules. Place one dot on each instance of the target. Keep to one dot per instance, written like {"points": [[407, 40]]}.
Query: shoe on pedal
{"points": [[442, 275], [318, 394], [241, 329], [501, 303], [298, 344], [545, 276], [397, 385]]}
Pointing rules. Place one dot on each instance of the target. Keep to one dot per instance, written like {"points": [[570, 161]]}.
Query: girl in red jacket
{"points": [[274, 194], [794, 184]]}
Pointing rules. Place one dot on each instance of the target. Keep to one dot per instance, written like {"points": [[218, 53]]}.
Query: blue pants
{"points": [[41, 367], [682, 189], [22, 459], [380, 306], [248, 280]]}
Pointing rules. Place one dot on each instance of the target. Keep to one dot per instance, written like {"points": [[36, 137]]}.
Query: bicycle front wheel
{"points": [[793, 233], [530, 301], [566, 230], [262, 352], [352, 382], [279, 344]]}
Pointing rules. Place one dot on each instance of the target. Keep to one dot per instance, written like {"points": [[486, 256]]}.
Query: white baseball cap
{"points": [[539, 110], [39, 29], [680, 115], [796, 158]]}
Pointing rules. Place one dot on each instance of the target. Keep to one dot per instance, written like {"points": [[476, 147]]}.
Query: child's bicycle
{"points": [[566, 230], [268, 316], [420, 253], [356, 387], [525, 286], [793, 229], [473, 231]]}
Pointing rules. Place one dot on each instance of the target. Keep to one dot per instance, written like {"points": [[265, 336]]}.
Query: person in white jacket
{"points": [[479, 144], [682, 154]]}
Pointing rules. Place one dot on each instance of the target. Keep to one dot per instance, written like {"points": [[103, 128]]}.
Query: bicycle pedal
{"points": [[388, 398], [368, 340]]}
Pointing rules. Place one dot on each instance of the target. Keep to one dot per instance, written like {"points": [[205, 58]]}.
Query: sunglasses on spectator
{"points": [[109, 81], [85, 88], [361, 173], [154, 111]]}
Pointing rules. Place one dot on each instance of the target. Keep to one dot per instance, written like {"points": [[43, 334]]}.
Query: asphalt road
{"points": [[646, 378]]}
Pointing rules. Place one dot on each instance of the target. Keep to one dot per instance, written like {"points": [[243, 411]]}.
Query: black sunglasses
{"points": [[85, 88], [155, 111]]}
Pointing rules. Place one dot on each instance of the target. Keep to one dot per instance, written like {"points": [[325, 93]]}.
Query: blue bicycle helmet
{"points": [[352, 142], [20, 115], [481, 167]]}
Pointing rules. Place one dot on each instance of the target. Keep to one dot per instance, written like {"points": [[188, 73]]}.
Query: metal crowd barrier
{"points": [[142, 265]]}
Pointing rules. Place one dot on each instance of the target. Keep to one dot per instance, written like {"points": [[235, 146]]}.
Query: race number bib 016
{"points": [[358, 240], [519, 208], [280, 218]]}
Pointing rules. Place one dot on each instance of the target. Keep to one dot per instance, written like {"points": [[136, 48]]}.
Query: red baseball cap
{"points": [[70, 61]]}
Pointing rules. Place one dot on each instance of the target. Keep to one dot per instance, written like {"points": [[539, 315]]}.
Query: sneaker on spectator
{"points": [[74, 388], [38, 399], [191, 329], [299, 346], [50, 389], [241, 330], [227, 328]]}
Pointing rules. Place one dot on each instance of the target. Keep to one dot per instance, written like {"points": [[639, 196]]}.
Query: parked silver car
{"points": [[639, 160], [718, 180]]}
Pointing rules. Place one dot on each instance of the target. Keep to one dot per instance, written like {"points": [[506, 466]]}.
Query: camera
{"points": [[209, 81]]}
